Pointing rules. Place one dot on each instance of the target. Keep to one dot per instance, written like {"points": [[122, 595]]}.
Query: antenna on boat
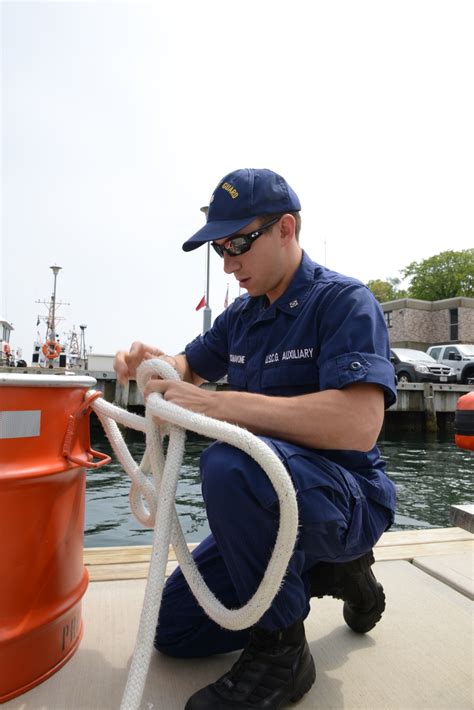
{"points": [[72, 349], [82, 349], [207, 315]]}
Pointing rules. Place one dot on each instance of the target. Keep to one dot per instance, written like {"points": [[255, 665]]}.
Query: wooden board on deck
{"points": [[108, 563]]}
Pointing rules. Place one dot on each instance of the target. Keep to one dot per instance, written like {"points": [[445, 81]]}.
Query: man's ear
{"points": [[287, 228]]}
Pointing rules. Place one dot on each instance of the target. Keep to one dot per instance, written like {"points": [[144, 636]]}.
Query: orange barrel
{"points": [[42, 575], [464, 422]]}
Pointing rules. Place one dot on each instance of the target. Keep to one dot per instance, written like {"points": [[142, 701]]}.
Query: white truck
{"points": [[460, 357]]}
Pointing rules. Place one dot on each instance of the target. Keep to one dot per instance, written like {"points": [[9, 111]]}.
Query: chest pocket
{"points": [[291, 378]]}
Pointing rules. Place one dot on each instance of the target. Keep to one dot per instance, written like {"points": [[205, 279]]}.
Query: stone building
{"points": [[413, 323]]}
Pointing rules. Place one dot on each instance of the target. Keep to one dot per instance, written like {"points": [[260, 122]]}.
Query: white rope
{"points": [[155, 481]]}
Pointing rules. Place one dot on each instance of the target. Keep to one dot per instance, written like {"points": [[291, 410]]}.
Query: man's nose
{"points": [[231, 264]]}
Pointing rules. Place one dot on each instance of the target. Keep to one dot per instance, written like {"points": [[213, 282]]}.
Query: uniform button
{"points": [[355, 365]]}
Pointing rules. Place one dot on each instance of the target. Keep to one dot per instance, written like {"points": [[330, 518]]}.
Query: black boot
{"points": [[354, 582], [276, 667]]}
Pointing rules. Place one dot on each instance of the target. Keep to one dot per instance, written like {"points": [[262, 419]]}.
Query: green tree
{"points": [[386, 290], [445, 275]]}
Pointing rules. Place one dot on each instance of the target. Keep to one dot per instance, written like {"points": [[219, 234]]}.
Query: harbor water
{"points": [[430, 475]]}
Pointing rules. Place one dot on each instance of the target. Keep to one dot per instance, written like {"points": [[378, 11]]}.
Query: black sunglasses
{"points": [[242, 242]]}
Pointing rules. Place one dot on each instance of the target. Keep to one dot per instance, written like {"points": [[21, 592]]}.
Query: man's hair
{"points": [[296, 215]]}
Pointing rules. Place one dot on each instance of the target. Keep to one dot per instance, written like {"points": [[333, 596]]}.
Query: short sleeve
{"points": [[207, 354], [354, 342]]}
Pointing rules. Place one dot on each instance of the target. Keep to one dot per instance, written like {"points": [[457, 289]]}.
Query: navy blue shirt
{"points": [[326, 331]]}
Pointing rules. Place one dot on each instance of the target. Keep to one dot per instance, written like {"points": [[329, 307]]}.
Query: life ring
{"points": [[51, 349]]}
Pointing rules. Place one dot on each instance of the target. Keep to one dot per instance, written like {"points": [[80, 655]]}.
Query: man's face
{"points": [[261, 269]]}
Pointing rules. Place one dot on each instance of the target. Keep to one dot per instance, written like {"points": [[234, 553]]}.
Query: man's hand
{"points": [[184, 395], [126, 363]]}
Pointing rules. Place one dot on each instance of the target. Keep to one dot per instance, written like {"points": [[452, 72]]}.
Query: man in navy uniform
{"points": [[306, 354]]}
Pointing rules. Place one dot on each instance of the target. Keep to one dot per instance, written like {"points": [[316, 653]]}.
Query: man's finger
{"points": [[121, 368], [137, 351], [126, 363], [156, 385]]}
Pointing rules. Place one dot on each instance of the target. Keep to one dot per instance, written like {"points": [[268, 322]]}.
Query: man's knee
{"points": [[172, 648], [222, 472]]}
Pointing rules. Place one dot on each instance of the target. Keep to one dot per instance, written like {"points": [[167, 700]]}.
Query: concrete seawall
{"points": [[427, 405], [419, 405]]}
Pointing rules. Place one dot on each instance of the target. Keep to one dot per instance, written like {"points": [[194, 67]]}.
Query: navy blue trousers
{"points": [[337, 523]]}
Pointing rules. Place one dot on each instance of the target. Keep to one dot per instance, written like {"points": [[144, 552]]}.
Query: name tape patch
{"points": [[294, 354]]}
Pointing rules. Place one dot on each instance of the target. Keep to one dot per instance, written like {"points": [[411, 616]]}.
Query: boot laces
{"points": [[247, 659], [250, 669]]}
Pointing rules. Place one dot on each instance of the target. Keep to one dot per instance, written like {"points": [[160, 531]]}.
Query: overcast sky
{"points": [[118, 120]]}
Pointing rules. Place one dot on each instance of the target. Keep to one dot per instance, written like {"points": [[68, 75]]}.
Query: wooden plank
{"points": [[409, 552], [109, 572], [110, 563], [142, 553], [133, 553], [113, 555], [139, 570], [462, 516], [132, 570], [425, 536], [454, 570]]}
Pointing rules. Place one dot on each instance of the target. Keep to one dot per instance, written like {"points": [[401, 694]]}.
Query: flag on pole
{"points": [[201, 303], [226, 299]]}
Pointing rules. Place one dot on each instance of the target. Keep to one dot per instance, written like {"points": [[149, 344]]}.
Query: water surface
{"points": [[429, 474]]}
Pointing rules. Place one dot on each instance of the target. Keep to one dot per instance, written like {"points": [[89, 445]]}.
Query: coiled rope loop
{"points": [[154, 482]]}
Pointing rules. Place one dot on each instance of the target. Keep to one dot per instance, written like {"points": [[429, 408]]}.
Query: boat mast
{"points": [[207, 315], [51, 334], [52, 319]]}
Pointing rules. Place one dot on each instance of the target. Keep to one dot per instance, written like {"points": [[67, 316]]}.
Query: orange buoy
{"points": [[464, 422], [44, 449]]}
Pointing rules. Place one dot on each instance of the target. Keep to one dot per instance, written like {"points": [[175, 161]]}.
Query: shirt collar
{"points": [[291, 300]]}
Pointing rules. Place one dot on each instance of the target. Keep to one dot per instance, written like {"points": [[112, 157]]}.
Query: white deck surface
{"points": [[419, 657]]}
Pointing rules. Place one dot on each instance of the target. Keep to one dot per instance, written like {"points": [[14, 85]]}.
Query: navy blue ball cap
{"points": [[239, 198]]}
